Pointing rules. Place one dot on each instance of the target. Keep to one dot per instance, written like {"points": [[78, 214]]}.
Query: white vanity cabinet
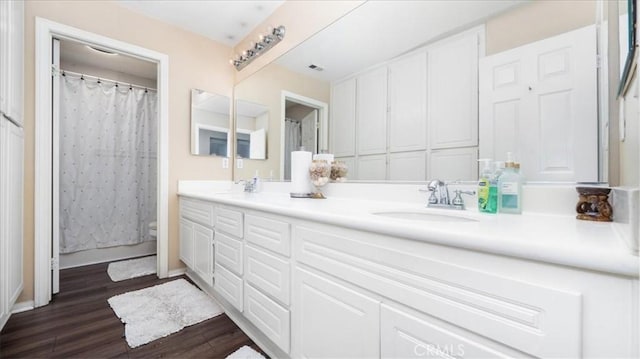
{"points": [[196, 237], [305, 289]]}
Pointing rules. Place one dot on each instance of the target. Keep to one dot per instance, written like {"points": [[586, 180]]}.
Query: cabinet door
{"points": [[372, 167], [333, 321], [186, 242], [202, 243], [4, 208], [372, 112], [452, 103], [16, 64], [408, 103], [408, 166], [454, 164], [343, 118]]}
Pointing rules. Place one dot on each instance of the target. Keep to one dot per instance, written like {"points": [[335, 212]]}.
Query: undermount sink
{"points": [[424, 216]]}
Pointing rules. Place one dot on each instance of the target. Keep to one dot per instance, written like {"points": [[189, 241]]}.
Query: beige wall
{"points": [[194, 62], [265, 87], [537, 20]]}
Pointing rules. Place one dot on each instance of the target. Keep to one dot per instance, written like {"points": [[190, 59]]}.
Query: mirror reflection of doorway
{"points": [[301, 130]]}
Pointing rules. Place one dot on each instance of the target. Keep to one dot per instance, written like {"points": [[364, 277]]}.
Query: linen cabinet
{"points": [[11, 155]]}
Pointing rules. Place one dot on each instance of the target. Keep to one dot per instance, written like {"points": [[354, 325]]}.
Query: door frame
{"points": [[323, 121], [46, 30]]}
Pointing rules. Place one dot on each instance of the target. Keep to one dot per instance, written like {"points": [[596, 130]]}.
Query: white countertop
{"points": [[558, 239]]}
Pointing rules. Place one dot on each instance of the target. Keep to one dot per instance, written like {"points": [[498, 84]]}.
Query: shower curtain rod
{"points": [[101, 79]]}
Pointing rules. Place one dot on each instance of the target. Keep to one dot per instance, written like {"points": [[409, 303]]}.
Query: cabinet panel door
{"points": [[333, 321], [186, 242], [407, 335], [343, 118], [268, 233], [454, 164], [203, 262], [408, 103], [16, 63], [372, 112], [372, 167], [453, 92], [4, 208], [408, 166]]}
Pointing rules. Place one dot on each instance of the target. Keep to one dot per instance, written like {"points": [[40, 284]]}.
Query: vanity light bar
{"points": [[263, 45]]}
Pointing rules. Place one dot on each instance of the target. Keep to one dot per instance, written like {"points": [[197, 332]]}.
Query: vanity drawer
{"points": [[268, 273], [197, 211], [534, 319], [229, 286], [229, 221], [413, 335], [272, 319], [268, 233], [228, 253]]}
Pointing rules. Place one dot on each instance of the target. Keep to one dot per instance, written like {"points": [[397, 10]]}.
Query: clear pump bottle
{"points": [[510, 185]]}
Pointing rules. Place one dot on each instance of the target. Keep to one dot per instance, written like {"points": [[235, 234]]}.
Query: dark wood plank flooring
{"points": [[79, 323]]}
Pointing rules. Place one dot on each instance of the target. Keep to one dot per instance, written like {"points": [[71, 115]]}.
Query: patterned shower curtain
{"points": [[108, 167]]}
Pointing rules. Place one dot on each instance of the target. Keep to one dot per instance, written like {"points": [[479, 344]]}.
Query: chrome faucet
{"points": [[248, 186], [440, 198]]}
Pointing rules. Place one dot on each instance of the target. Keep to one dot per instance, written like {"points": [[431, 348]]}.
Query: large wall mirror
{"points": [[416, 90], [210, 121]]}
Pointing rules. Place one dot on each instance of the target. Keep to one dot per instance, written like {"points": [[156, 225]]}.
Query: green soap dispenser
{"points": [[510, 185], [487, 188]]}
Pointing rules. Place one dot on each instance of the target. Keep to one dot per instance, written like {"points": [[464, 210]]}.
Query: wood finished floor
{"points": [[79, 323]]}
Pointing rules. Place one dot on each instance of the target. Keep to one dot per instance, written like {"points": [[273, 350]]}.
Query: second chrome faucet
{"points": [[440, 197]]}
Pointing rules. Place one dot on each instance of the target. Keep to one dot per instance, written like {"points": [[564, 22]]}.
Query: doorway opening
{"points": [[105, 136], [304, 124], [47, 194]]}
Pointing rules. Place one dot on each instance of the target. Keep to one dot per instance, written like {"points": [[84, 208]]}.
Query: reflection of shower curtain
{"points": [[293, 141], [108, 141]]}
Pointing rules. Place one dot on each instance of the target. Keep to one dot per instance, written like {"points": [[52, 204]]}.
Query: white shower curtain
{"points": [[293, 141], [108, 144]]}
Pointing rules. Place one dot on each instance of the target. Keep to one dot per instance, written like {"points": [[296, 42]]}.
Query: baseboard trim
{"points": [[23, 307], [177, 272]]}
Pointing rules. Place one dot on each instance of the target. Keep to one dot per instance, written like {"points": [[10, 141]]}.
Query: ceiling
{"points": [[76, 53], [224, 21], [378, 31], [210, 102]]}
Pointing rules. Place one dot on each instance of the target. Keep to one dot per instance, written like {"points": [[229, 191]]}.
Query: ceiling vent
{"points": [[316, 67]]}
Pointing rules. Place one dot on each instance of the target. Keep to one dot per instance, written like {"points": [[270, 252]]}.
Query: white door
{"points": [[372, 112], [55, 212], [343, 118], [258, 144], [333, 321], [540, 102], [408, 103]]}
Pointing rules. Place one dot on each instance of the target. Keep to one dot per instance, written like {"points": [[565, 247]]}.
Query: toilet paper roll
{"points": [[300, 181], [324, 157]]}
